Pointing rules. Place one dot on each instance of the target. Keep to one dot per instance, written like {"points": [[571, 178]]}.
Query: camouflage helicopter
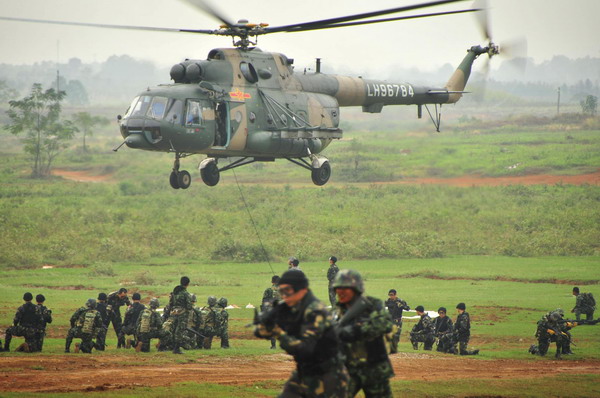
{"points": [[249, 105]]}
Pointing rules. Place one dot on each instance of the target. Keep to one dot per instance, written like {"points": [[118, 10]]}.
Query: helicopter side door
{"points": [[222, 125]]}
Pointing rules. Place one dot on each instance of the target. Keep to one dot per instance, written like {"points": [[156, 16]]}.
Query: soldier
{"points": [[101, 307], [444, 332], [331, 273], [45, 319], [293, 263], [209, 322], [115, 300], [362, 323], [423, 331], [85, 324], [395, 306], [271, 296], [463, 330], [303, 327], [223, 322], [25, 324], [148, 326], [193, 325], [181, 307], [584, 304], [130, 322], [548, 331]]}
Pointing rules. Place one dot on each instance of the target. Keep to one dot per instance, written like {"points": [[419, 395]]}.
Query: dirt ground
{"points": [[80, 372], [464, 181]]}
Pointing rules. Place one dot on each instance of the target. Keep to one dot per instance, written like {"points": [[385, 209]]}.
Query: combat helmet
{"points": [[560, 312], [349, 278], [154, 303], [194, 299], [90, 303], [212, 301], [222, 302]]}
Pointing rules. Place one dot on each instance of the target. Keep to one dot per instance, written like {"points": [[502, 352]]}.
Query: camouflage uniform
{"points": [[85, 324], [222, 320], [305, 331], [101, 307], [46, 318], [444, 331], [25, 324], [148, 326], [550, 329], [584, 304], [180, 311], [193, 323], [331, 273], [114, 313], [462, 328], [363, 337], [395, 308], [423, 331], [130, 323], [209, 322], [270, 296]]}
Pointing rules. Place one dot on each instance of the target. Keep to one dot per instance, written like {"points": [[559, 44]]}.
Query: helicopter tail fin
{"points": [[457, 82]]}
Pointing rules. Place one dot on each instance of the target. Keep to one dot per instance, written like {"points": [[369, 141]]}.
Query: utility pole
{"points": [[558, 103]]}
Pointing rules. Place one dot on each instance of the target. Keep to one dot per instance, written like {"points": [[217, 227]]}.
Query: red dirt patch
{"points": [[79, 372], [80, 176]]}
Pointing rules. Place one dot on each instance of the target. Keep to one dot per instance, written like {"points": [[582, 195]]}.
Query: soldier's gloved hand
{"points": [[277, 331], [261, 331]]}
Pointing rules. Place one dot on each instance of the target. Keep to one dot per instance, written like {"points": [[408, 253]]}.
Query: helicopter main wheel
{"points": [[184, 179], [173, 180], [210, 174], [321, 175]]}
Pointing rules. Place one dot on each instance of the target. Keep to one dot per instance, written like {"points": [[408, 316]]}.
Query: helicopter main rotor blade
{"points": [[204, 7], [348, 18], [483, 19], [342, 25], [96, 25]]}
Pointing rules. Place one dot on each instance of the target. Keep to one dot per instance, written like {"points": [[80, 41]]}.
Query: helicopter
{"points": [[248, 105]]}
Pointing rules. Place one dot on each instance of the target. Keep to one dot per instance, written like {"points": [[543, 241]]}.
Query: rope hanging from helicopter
{"points": [[253, 223]]}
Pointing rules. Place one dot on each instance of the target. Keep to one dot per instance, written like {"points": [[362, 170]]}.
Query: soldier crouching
{"points": [[85, 324], [423, 331], [303, 327], [149, 326]]}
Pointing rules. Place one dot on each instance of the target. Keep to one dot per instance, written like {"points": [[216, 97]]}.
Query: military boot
{"points": [[415, 345]]}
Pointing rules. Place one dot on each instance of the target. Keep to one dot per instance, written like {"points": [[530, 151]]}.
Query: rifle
{"points": [[343, 328], [195, 332], [266, 317], [580, 322]]}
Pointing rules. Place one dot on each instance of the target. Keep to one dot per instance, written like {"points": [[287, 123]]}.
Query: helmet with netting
{"points": [[154, 303], [223, 302], [349, 278], [90, 303], [194, 299], [212, 300]]}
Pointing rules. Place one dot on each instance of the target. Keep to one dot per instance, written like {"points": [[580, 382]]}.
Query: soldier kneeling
{"points": [[149, 326], [423, 331], [86, 322]]}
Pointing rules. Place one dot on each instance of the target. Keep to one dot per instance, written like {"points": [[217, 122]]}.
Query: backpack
{"points": [[88, 322], [588, 300], [145, 318]]}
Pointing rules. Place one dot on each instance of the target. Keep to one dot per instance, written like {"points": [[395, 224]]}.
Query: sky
{"points": [[551, 27]]}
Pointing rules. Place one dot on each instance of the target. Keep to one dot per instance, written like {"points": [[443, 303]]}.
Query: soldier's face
{"points": [[442, 314], [345, 294], [392, 296], [289, 296]]}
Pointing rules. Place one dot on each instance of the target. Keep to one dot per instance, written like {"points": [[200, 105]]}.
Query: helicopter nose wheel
{"points": [[320, 175], [179, 179]]}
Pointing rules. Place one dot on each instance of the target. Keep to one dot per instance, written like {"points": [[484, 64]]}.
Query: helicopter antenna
{"points": [[253, 223]]}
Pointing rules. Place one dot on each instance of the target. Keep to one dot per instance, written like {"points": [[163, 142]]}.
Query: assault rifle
{"points": [[343, 328], [266, 317], [580, 322], [195, 332]]}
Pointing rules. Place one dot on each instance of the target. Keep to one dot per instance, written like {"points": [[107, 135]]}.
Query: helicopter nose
{"points": [[140, 133]]}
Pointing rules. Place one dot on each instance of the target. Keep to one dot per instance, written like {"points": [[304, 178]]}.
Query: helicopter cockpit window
{"points": [[141, 106], [249, 72], [157, 109], [193, 113], [175, 111], [131, 107]]}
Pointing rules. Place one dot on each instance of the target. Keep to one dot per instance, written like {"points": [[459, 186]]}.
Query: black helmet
{"points": [[102, 296], [295, 278], [40, 298], [154, 303], [212, 301], [136, 296], [28, 296], [223, 302], [420, 308], [461, 306]]}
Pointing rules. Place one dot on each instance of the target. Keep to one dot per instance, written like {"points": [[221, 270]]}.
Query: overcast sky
{"points": [[551, 27]]}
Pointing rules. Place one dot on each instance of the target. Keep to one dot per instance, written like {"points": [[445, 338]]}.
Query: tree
{"points": [[38, 116], [86, 123], [6, 92], [589, 105]]}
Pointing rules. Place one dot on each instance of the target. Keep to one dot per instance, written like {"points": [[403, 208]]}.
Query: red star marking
{"points": [[239, 95]]}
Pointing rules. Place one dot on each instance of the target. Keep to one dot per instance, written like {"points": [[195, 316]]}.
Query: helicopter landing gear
{"points": [[319, 167], [179, 179], [321, 175], [209, 171]]}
